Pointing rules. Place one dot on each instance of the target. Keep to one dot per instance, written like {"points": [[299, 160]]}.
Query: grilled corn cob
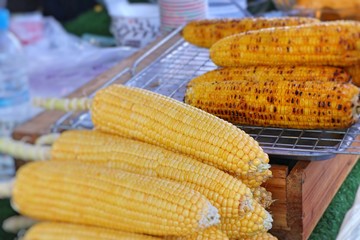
{"points": [[225, 192], [204, 33], [162, 121], [247, 225], [268, 73], [66, 231], [115, 199], [289, 104], [334, 43]]}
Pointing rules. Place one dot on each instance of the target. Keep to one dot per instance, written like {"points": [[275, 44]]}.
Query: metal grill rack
{"points": [[169, 74]]}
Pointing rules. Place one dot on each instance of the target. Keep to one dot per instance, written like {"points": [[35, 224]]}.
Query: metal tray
{"points": [[169, 74]]}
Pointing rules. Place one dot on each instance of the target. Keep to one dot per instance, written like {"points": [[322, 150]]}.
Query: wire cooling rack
{"points": [[169, 74]]}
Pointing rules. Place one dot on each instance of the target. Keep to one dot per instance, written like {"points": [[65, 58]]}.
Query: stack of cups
{"points": [[174, 13]]}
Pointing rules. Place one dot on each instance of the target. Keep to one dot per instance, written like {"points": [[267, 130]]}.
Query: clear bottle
{"points": [[14, 85]]}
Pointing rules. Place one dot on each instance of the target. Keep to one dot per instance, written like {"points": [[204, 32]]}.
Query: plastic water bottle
{"points": [[14, 86]]}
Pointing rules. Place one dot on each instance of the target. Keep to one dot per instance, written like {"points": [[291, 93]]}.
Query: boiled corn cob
{"points": [[354, 72], [246, 226], [260, 236], [115, 199], [226, 193], [289, 104], [67, 231], [210, 233], [262, 196], [159, 120], [268, 73], [204, 33], [335, 43]]}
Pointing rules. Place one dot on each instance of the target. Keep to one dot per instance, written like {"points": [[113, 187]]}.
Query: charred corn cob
{"points": [[261, 236], [66, 231], [262, 196], [268, 73], [334, 43], [248, 225], [210, 233], [204, 33], [289, 104], [159, 120], [114, 199], [354, 72], [226, 193]]}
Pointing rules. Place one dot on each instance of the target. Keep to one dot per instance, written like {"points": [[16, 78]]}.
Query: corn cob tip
{"points": [[211, 218], [268, 221]]}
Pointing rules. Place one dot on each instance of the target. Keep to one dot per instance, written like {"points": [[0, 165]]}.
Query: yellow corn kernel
{"points": [[274, 73], [210, 233], [204, 33], [85, 194], [335, 43], [262, 196], [165, 122], [252, 223], [66, 231], [260, 236], [288, 104], [228, 194]]}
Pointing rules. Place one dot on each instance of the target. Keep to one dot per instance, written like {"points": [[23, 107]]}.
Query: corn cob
{"points": [[262, 196], [334, 43], [260, 236], [289, 104], [248, 225], [66, 231], [163, 120], [159, 120], [225, 192], [228, 194], [354, 72], [210, 233], [114, 199], [269, 73], [204, 33]]}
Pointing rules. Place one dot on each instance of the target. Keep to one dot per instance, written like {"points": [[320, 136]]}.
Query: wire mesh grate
{"points": [[169, 74]]}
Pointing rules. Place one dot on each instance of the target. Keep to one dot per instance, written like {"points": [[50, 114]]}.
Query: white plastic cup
{"points": [[174, 13]]}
